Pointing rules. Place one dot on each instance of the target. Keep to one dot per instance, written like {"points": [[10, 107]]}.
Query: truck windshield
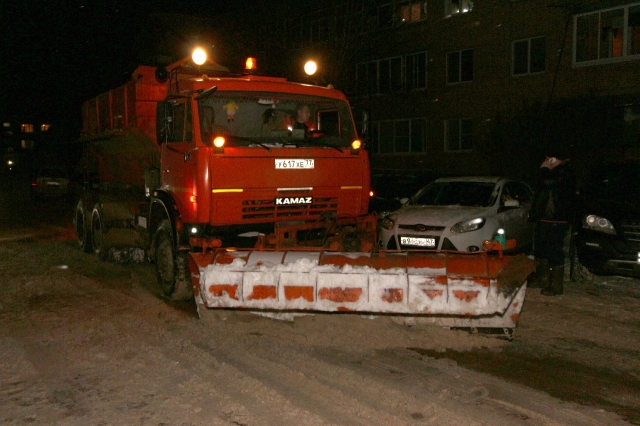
{"points": [[275, 119]]}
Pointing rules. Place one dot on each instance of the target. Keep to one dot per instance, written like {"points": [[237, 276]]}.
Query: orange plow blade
{"points": [[450, 288]]}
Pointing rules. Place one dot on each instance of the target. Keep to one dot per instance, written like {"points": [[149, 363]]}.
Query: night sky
{"points": [[55, 54]]}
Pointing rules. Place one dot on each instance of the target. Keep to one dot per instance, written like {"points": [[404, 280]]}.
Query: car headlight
{"points": [[598, 223], [468, 225], [387, 222]]}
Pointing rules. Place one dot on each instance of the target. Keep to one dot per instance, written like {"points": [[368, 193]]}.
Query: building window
{"points": [[411, 11], [27, 144], [399, 136], [607, 35], [460, 66], [401, 73], [44, 127], [26, 128], [455, 7], [458, 134], [416, 71], [529, 55]]}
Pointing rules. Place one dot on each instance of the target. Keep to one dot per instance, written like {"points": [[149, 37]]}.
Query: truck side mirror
{"points": [[164, 121]]}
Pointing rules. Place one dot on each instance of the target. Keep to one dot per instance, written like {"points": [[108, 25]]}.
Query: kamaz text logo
{"points": [[294, 200]]}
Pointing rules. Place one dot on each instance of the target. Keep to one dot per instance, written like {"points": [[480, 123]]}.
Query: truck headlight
{"points": [[598, 223], [468, 225]]}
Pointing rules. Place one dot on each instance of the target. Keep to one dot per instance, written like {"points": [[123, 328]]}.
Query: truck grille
{"points": [[631, 230], [261, 209]]}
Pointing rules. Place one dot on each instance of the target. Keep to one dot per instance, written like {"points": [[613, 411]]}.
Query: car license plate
{"points": [[53, 183], [418, 241], [291, 163]]}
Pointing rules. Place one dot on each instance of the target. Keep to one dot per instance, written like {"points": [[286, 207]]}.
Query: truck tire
{"points": [[98, 232], [81, 221], [172, 268]]}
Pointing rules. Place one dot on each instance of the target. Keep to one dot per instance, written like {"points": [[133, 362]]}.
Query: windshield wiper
{"points": [[251, 142], [322, 144]]}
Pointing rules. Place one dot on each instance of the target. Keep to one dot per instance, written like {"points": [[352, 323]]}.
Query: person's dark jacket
{"points": [[554, 199]]}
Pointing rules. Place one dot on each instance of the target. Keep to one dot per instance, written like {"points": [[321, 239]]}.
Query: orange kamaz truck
{"points": [[213, 177]]}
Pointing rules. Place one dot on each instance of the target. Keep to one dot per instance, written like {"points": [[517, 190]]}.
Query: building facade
{"points": [[459, 87]]}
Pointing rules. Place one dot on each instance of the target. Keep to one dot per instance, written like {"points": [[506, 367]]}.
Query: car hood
{"points": [[438, 215], [613, 208]]}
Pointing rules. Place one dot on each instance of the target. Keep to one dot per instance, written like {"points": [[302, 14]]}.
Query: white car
{"points": [[459, 214]]}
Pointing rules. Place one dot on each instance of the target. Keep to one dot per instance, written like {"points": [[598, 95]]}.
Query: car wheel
{"points": [[98, 232], [81, 222], [172, 267]]}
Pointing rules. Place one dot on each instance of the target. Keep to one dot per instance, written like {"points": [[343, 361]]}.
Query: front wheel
{"points": [[172, 267]]}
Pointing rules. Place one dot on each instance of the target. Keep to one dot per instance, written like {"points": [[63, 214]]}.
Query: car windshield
{"points": [[268, 119], [615, 183], [53, 173], [479, 194]]}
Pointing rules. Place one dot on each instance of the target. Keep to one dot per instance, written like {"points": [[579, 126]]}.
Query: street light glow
{"points": [[310, 67], [199, 56]]}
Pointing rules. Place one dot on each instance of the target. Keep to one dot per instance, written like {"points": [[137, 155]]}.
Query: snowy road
{"points": [[88, 342]]}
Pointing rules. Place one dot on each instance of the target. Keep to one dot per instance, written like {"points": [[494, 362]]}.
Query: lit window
{"points": [[44, 127], [411, 11], [458, 134], [529, 55], [454, 7], [5, 124], [26, 128], [600, 36], [460, 66]]}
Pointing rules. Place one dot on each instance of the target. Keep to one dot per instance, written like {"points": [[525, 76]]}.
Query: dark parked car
{"points": [[391, 187], [51, 181], [607, 236]]}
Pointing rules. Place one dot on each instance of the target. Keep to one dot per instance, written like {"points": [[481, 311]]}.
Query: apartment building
{"points": [[458, 87]]}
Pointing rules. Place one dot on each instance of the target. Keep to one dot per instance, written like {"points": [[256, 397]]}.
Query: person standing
{"points": [[552, 211]]}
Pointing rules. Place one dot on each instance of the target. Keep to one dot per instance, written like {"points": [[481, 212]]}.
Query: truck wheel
{"points": [[81, 221], [98, 232], [172, 267]]}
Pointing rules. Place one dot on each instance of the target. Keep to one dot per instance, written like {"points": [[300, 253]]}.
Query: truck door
{"points": [[178, 157]]}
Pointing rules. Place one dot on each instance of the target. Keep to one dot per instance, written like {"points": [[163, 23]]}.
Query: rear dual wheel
{"points": [[98, 232], [82, 223]]}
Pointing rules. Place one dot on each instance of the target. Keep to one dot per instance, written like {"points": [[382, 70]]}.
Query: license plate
{"points": [[53, 183], [295, 164], [418, 241]]}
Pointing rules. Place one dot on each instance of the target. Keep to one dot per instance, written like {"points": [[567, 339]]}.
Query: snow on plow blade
{"points": [[450, 288]]}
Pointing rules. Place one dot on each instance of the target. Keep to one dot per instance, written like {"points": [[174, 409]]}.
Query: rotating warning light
{"points": [[199, 56], [250, 64], [356, 144]]}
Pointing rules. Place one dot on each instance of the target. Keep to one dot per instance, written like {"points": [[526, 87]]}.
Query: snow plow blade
{"points": [[451, 289]]}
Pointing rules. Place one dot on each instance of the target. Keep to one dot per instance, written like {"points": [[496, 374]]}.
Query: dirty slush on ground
{"points": [[90, 342]]}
